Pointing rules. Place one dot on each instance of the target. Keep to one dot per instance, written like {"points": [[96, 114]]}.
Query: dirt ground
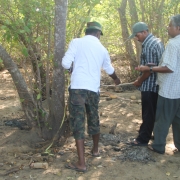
{"points": [[118, 161]]}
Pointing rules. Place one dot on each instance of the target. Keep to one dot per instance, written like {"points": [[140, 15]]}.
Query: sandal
{"points": [[154, 150], [137, 143], [95, 155], [73, 167]]}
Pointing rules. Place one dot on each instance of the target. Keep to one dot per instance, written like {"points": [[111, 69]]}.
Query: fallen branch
{"points": [[120, 85], [12, 170]]}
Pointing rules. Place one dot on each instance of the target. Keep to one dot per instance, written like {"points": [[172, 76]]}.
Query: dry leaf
{"points": [[68, 160], [168, 173]]}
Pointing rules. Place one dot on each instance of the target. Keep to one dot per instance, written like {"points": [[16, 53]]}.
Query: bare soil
{"points": [[118, 160]]}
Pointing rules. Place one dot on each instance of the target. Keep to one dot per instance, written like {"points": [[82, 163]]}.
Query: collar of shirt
{"points": [[176, 37], [147, 39], [91, 37]]}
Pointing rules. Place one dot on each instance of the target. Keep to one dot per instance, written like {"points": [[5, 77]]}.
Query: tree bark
{"points": [[28, 103], [134, 19], [57, 103], [125, 34]]}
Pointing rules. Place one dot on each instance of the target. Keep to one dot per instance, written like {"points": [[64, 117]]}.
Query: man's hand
{"points": [[115, 78], [142, 68], [117, 81], [137, 83]]}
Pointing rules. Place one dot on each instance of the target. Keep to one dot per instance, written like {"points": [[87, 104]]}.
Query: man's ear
{"points": [[98, 35]]}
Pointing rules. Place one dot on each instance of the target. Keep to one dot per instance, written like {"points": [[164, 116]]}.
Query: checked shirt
{"points": [[152, 50]]}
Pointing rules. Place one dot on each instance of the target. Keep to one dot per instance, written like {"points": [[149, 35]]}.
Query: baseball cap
{"points": [[138, 27], [94, 25]]}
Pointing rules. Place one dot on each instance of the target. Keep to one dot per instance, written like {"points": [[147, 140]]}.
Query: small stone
{"points": [[139, 101], [118, 89], [113, 96], [107, 148], [108, 99], [117, 149], [44, 154], [133, 97], [101, 144], [100, 166], [70, 139]]}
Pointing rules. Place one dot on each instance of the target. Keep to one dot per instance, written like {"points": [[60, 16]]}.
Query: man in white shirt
{"points": [[168, 106], [86, 56]]}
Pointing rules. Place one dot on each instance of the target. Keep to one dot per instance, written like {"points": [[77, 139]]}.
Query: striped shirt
{"points": [[169, 83], [152, 50]]}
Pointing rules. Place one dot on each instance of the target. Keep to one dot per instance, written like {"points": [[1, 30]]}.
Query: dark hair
{"points": [[176, 20], [91, 31]]}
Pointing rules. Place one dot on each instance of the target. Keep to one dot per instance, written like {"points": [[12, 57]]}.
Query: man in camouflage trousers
{"points": [[88, 56]]}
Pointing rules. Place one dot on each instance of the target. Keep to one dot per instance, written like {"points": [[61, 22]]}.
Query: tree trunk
{"points": [[160, 20], [125, 34], [35, 58], [57, 103], [27, 100], [134, 19], [142, 10]]}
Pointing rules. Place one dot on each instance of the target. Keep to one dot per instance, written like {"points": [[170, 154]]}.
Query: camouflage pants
{"points": [[81, 103]]}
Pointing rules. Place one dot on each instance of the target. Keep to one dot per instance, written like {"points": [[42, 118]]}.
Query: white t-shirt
{"points": [[169, 83], [88, 56]]}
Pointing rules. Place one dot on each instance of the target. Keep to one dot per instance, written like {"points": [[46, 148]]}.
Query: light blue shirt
{"points": [[169, 83]]}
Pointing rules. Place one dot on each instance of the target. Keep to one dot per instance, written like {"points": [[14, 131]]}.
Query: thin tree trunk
{"points": [[125, 35], [160, 20], [58, 86], [142, 10], [134, 19], [27, 100]]}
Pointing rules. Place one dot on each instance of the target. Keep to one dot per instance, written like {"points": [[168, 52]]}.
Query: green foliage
{"points": [[25, 52], [21, 100], [25, 25], [38, 96], [1, 65]]}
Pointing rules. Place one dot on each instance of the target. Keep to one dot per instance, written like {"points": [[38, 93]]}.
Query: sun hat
{"points": [[94, 25], [138, 27]]}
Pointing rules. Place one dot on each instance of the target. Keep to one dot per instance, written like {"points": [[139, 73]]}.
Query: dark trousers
{"points": [[149, 102]]}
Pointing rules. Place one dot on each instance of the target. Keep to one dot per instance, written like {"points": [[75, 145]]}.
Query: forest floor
{"points": [[117, 161]]}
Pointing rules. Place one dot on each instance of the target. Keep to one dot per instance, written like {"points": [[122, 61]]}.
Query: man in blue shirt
{"points": [[152, 49]]}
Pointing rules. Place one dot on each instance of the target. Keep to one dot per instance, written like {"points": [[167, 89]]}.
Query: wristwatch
{"points": [[151, 71]]}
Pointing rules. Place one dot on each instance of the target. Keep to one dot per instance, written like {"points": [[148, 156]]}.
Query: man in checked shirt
{"points": [[152, 49], [168, 105]]}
